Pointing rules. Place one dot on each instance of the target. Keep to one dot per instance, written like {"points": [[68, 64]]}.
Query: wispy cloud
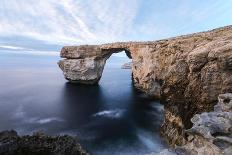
{"points": [[67, 21], [32, 52], [12, 47], [98, 21]]}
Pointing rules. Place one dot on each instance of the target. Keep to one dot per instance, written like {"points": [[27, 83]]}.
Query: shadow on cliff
{"points": [[146, 112]]}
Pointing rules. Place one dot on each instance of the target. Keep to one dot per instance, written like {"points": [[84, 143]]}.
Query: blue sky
{"points": [[54, 23]]}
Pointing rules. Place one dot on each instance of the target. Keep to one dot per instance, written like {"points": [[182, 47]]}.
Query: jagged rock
{"points": [[211, 132], [186, 73], [38, 144]]}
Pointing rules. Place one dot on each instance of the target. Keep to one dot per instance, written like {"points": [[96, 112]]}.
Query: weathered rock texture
{"points": [[187, 73], [38, 144], [211, 133], [86, 71]]}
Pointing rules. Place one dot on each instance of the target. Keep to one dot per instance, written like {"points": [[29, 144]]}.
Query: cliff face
{"points": [[186, 73]]}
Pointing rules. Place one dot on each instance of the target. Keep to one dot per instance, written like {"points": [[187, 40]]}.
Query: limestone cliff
{"points": [[186, 73]]}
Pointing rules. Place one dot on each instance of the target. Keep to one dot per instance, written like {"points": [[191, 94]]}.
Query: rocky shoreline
{"points": [[38, 144], [211, 133]]}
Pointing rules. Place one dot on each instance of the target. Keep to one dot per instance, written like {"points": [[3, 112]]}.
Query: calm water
{"points": [[111, 118]]}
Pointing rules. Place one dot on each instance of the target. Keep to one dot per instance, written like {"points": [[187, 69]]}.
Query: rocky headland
{"points": [[186, 73]]}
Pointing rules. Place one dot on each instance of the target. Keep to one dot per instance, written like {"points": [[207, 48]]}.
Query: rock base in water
{"points": [[84, 71], [38, 144]]}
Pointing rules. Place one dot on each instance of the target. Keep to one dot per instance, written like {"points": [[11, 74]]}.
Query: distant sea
{"points": [[109, 118]]}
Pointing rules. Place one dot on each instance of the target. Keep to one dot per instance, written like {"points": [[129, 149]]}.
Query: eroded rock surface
{"points": [[186, 73], [86, 71], [38, 144], [211, 133]]}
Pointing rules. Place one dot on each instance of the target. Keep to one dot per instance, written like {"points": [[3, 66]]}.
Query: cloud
{"points": [[12, 47], [100, 21], [32, 52], [22, 50], [67, 21]]}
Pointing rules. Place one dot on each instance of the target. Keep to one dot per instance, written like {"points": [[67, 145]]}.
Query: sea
{"points": [[111, 118]]}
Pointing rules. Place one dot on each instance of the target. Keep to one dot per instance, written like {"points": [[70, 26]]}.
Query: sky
{"points": [[50, 24]]}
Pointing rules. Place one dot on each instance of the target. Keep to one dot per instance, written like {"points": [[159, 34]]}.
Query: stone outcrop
{"points": [[186, 73], [211, 132], [86, 71], [84, 64], [38, 144]]}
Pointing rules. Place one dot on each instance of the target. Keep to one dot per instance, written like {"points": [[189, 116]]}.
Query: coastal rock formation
{"points": [[86, 71], [38, 144], [211, 132], [186, 73], [84, 64]]}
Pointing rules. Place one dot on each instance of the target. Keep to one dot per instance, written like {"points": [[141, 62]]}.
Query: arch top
{"points": [[85, 63], [88, 51]]}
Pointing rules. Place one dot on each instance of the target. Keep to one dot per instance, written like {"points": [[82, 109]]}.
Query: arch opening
{"points": [[118, 60], [119, 50]]}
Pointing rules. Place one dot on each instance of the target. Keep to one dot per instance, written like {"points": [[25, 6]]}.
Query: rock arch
{"points": [[84, 64], [186, 73]]}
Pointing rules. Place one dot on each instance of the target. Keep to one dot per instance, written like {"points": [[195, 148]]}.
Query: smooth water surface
{"points": [[109, 118]]}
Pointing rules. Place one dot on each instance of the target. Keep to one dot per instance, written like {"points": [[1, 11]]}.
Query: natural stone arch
{"points": [[84, 64]]}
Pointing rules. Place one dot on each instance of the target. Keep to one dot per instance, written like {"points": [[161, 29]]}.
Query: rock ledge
{"points": [[38, 144]]}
